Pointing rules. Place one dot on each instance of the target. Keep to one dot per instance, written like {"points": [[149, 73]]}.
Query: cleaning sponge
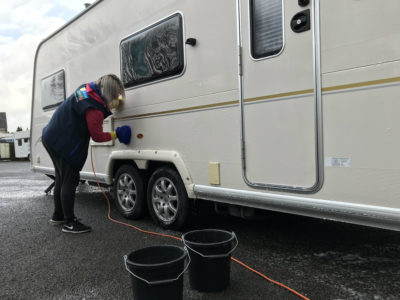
{"points": [[124, 134]]}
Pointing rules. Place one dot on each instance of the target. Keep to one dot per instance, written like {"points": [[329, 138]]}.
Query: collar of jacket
{"points": [[94, 93]]}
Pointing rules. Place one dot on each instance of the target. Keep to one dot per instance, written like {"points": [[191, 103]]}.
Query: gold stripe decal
{"points": [[181, 110], [275, 96], [361, 84], [282, 95]]}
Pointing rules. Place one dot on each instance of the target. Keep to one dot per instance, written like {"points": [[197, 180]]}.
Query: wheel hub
{"points": [[165, 199], [126, 191]]}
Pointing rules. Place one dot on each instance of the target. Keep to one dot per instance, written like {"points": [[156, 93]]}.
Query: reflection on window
{"points": [[153, 53], [266, 27], [53, 90]]}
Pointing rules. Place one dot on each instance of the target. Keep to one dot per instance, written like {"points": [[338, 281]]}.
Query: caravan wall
{"points": [[277, 106]]}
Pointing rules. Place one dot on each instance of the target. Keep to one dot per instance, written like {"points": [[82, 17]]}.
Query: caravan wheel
{"points": [[167, 199], [128, 192]]}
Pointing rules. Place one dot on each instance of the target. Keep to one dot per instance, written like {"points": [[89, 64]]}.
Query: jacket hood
{"points": [[94, 92]]}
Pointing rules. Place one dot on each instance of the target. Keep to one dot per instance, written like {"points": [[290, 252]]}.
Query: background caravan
{"points": [[280, 105]]}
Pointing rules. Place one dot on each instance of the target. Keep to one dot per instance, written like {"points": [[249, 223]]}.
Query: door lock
{"points": [[301, 21]]}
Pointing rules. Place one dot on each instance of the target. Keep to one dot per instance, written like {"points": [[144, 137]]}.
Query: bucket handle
{"points": [[157, 281], [214, 255]]}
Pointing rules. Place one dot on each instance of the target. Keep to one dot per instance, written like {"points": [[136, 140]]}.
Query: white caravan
{"points": [[282, 105], [22, 144]]}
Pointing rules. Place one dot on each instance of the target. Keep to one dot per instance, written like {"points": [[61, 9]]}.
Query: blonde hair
{"points": [[111, 88]]}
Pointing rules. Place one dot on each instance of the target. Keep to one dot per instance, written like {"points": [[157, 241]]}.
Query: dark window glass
{"points": [[153, 53], [19, 142], [266, 27], [26, 140], [53, 90]]}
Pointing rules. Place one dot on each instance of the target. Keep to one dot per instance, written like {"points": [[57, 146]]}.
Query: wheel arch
{"points": [[147, 161]]}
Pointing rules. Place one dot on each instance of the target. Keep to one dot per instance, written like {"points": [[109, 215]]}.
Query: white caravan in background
{"points": [[22, 144], [282, 105]]}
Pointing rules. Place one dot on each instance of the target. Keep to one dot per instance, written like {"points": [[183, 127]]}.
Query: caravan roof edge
{"points": [[71, 21]]}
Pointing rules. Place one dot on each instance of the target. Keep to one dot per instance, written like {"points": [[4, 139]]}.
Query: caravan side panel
{"points": [[197, 115]]}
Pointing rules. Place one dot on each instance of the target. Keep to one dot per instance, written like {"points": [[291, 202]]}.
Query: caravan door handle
{"points": [[301, 21]]}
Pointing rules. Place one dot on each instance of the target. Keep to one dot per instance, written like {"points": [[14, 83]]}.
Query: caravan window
{"points": [[266, 17], [19, 142], [153, 53], [53, 90]]}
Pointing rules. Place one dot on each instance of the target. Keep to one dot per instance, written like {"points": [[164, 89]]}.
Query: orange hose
{"points": [[270, 280], [179, 239]]}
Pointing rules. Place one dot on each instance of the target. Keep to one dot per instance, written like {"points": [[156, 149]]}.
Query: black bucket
{"points": [[210, 254], [157, 272]]}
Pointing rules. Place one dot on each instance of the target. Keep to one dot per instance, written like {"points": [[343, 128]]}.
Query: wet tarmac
{"points": [[319, 259]]}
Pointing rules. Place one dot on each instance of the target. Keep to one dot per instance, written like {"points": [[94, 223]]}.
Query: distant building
{"points": [[3, 122]]}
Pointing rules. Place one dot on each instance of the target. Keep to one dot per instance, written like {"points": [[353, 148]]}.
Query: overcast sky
{"points": [[23, 24]]}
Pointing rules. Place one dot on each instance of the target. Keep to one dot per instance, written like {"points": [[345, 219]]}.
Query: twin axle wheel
{"points": [[166, 196], [129, 192]]}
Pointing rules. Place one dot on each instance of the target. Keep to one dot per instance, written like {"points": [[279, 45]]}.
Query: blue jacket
{"points": [[67, 133]]}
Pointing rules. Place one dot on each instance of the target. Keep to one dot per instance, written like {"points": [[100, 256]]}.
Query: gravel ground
{"points": [[320, 259]]}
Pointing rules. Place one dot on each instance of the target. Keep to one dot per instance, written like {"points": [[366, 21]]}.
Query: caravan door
{"points": [[279, 95]]}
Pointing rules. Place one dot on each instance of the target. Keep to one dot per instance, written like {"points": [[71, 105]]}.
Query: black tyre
{"points": [[128, 192], [167, 199]]}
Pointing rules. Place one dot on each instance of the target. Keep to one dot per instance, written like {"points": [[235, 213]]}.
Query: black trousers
{"points": [[66, 181]]}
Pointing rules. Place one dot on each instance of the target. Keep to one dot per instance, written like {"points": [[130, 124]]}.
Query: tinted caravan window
{"points": [[53, 90], [153, 53], [266, 27]]}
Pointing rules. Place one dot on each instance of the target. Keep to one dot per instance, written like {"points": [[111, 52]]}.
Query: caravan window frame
{"points": [[182, 67], [251, 33], [55, 104]]}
